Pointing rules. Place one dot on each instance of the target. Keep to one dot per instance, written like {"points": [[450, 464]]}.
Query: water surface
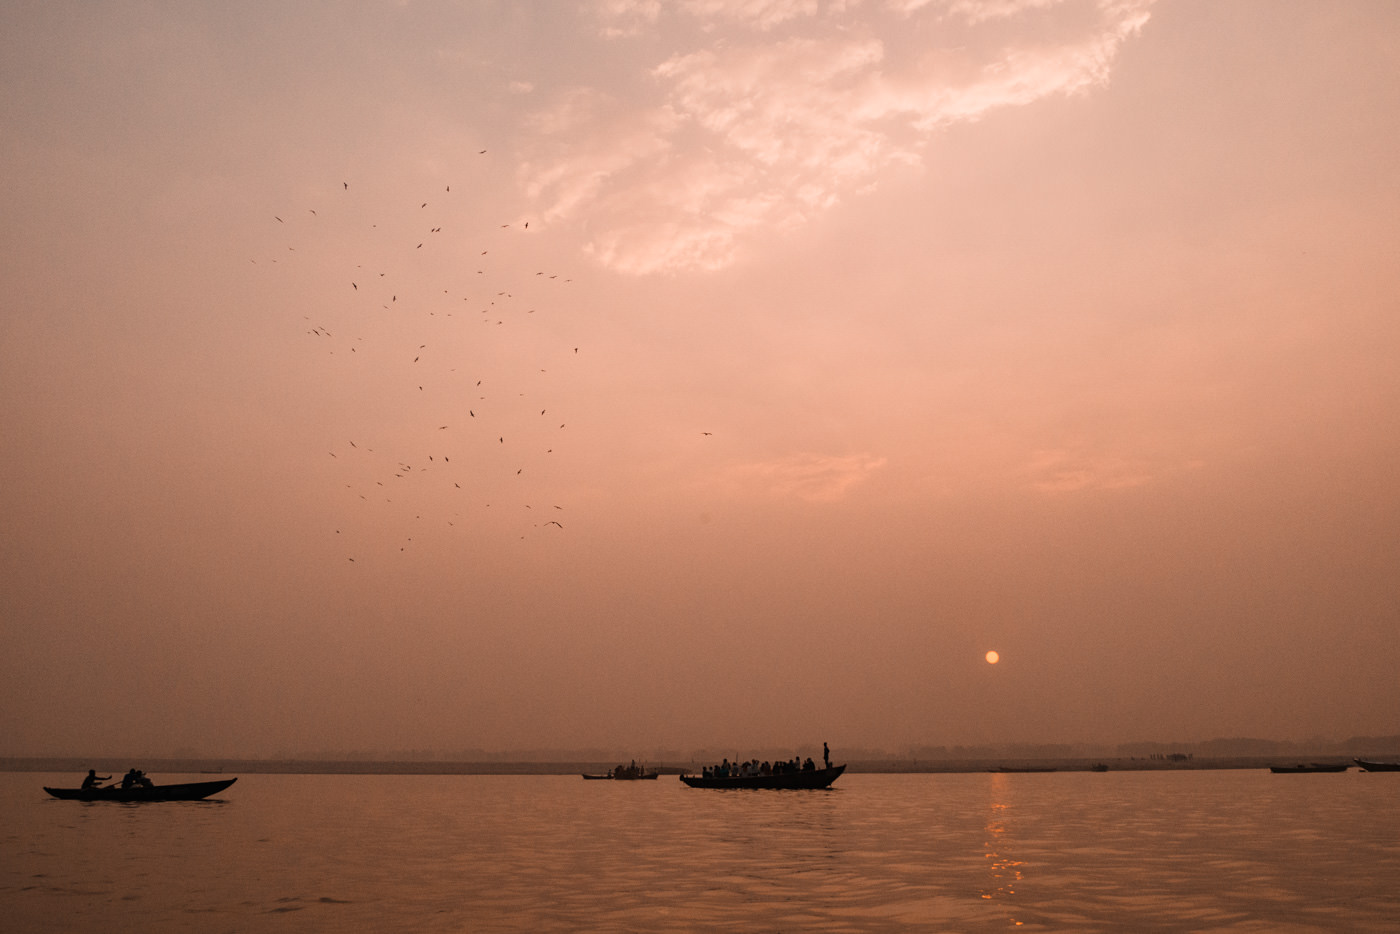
{"points": [[1068, 851]]}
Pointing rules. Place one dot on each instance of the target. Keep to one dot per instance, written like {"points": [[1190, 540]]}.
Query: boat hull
{"points": [[1373, 766], [1297, 769], [811, 778], [191, 791]]}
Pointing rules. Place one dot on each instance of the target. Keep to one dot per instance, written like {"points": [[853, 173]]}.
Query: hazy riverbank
{"points": [[158, 767]]}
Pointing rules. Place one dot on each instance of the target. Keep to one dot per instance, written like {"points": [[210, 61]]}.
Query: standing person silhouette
{"points": [[826, 755]]}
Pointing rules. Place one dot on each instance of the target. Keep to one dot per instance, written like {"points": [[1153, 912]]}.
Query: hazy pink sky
{"points": [[847, 340]]}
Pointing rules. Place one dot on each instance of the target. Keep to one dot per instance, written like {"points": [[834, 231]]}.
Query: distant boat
{"points": [[1029, 768], [1371, 765], [1313, 767], [623, 773], [800, 778], [192, 791], [1098, 767]]}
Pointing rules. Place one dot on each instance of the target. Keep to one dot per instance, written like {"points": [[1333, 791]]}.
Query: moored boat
{"points": [[1372, 765], [797, 778], [189, 791], [1311, 767]]}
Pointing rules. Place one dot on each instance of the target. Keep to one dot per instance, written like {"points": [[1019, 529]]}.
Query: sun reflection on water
{"points": [[1004, 871]]}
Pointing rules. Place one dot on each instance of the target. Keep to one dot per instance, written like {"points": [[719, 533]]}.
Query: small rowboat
{"points": [[1314, 767], [1371, 765], [192, 791], [802, 778]]}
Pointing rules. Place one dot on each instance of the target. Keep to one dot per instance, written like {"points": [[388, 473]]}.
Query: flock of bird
{"points": [[462, 424]]}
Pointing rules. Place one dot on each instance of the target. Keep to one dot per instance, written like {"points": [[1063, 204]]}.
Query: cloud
{"points": [[756, 14], [618, 19], [596, 143], [819, 478], [1069, 470], [978, 11], [778, 109]]}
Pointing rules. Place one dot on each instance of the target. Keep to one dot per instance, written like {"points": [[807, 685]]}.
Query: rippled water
{"points": [[1066, 851]]}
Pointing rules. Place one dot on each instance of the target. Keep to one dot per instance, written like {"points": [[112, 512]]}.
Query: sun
{"points": [[993, 657]]}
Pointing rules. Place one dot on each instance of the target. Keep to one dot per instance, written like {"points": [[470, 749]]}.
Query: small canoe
{"points": [[1313, 767], [191, 791], [1371, 765], [803, 778]]}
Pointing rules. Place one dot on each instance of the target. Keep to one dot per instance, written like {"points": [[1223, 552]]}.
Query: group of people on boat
{"points": [[134, 778], [752, 767], [628, 771]]}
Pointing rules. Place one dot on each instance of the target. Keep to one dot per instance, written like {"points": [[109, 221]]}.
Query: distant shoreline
{"points": [[157, 766]]}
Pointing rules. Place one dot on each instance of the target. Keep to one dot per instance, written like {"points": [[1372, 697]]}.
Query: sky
{"points": [[642, 375]]}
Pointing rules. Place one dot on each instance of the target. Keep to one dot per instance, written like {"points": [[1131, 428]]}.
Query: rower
{"points": [[94, 780]]}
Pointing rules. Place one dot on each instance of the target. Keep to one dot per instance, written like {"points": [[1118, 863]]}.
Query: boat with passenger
{"points": [[811, 778], [185, 791], [623, 773], [789, 773]]}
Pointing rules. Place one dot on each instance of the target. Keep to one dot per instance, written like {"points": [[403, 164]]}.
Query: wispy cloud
{"points": [[777, 109], [1070, 469], [618, 19], [756, 14], [813, 477]]}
